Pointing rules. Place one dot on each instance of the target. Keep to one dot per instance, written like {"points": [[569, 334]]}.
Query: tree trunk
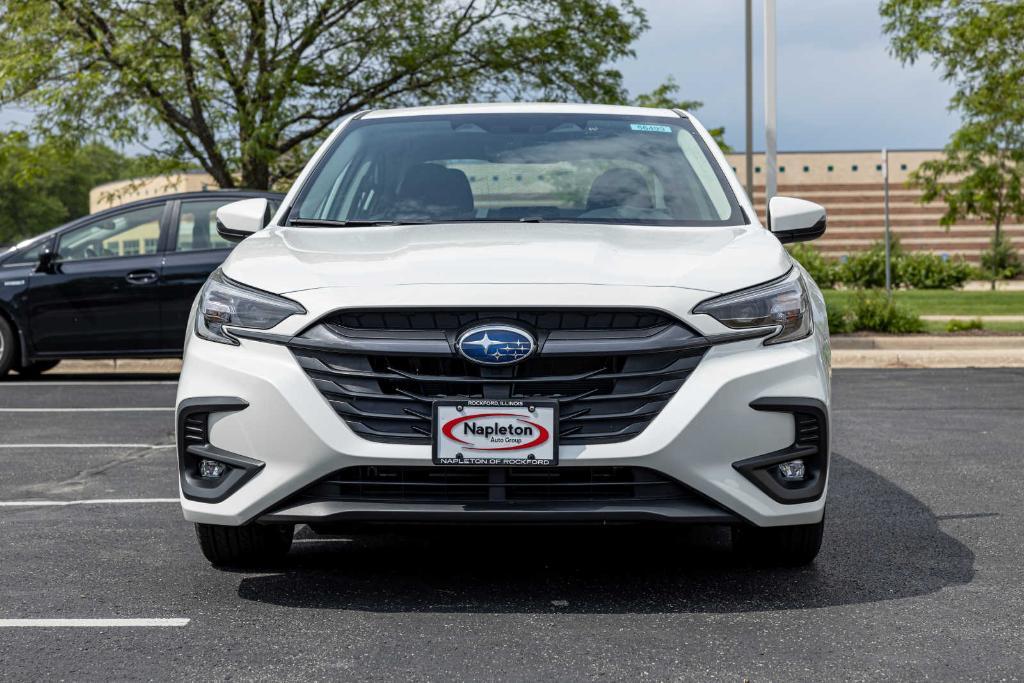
{"points": [[255, 174]]}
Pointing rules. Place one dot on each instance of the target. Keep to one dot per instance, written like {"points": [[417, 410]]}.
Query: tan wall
{"points": [[124, 191], [855, 202]]}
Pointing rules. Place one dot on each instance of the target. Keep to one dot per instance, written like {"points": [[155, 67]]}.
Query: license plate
{"points": [[495, 432]]}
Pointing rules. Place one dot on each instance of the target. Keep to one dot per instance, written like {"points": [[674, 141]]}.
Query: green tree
{"points": [[976, 45], [46, 184], [247, 87], [666, 96]]}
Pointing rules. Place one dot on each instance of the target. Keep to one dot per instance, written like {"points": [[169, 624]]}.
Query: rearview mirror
{"points": [[47, 257], [795, 220], [238, 220]]}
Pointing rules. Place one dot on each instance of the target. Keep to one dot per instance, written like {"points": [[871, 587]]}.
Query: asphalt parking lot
{"points": [[920, 575]]}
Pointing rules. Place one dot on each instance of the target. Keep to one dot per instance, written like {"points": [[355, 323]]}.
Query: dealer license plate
{"points": [[495, 432]]}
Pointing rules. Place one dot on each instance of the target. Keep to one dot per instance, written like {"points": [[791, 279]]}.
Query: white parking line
{"points": [[86, 445], [91, 501], [86, 410], [86, 383], [78, 623]]}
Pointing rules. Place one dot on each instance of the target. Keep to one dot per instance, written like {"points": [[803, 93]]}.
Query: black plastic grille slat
{"points": [[195, 431], [415, 484], [602, 398]]}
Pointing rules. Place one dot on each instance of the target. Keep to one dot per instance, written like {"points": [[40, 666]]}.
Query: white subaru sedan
{"points": [[509, 313]]}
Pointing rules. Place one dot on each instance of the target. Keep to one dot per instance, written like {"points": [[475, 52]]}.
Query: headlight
{"points": [[224, 303], [782, 304]]}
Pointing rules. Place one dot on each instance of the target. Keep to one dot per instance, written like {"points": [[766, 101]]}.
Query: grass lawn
{"points": [[946, 301]]}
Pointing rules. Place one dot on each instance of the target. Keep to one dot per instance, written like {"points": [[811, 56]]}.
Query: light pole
{"points": [[770, 163], [750, 99]]}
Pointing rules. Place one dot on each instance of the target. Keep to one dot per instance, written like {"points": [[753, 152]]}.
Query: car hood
{"points": [[284, 259]]}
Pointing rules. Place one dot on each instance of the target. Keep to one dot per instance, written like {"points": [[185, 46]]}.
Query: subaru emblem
{"points": [[496, 344]]}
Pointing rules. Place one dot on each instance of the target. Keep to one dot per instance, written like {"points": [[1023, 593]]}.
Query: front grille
{"points": [[414, 484], [611, 372]]}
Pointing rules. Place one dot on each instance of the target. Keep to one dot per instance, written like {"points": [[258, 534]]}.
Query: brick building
{"points": [[849, 185]]}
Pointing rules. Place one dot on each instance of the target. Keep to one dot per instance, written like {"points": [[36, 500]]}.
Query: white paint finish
{"points": [[523, 108], [93, 501], [716, 260], [92, 623], [789, 213], [245, 215]]}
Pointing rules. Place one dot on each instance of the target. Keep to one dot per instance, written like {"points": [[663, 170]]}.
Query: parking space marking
{"points": [[87, 445], [88, 501], [86, 410], [90, 623]]}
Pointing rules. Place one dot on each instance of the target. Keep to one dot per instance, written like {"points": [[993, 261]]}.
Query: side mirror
{"points": [[795, 220], [47, 257], [238, 220]]}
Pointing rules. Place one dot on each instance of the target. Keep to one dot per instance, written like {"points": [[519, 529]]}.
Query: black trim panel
{"points": [[193, 446], [802, 234], [810, 444]]}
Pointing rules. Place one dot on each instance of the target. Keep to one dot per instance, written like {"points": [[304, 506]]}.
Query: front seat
{"points": [[618, 187], [435, 191]]}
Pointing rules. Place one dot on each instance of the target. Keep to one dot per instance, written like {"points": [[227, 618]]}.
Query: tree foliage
{"points": [[666, 96], [247, 87], [44, 185], [976, 45]]}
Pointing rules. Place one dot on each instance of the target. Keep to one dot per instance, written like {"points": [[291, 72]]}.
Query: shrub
{"points": [[961, 325], [824, 271], [839, 320], [923, 270], [873, 311], [867, 269], [1001, 257]]}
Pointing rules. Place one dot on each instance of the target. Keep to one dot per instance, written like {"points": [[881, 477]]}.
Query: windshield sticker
{"points": [[650, 128]]}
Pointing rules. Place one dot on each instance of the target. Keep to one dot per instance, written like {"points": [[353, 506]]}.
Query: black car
{"points": [[112, 284]]}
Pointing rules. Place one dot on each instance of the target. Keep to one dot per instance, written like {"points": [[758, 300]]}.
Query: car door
{"points": [[194, 251], [101, 294]]}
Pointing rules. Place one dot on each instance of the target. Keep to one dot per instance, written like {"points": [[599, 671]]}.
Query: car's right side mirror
{"points": [[795, 220], [238, 220]]}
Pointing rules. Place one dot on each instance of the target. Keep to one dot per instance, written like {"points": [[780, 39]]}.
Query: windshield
{"points": [[518, 167]]}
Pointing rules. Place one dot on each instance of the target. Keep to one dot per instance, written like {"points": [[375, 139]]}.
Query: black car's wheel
{"points": [[8, 347], [252, 545], [782, 546], [37, 368]]}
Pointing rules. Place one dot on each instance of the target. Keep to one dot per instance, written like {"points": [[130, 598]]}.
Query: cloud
{"points": [[838, 86]]}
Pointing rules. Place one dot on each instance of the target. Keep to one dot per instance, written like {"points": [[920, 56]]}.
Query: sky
{"points": [[838, 87]]}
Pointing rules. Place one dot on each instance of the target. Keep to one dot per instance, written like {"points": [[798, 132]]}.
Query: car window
{"points": [[29, 255], [197, 226], [132, 233], [546, 167]]}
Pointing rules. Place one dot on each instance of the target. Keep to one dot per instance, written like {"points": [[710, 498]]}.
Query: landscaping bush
{"points": [[922, 270], [867, 268], [956, 325], [873, 311], [1002, 258], [824, 271], [838, 320]]}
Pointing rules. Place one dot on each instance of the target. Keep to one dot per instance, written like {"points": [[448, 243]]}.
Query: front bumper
{"points": [[707, 427]]}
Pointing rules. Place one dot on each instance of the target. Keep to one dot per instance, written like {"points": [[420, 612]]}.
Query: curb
{"points": [[926, 342]]}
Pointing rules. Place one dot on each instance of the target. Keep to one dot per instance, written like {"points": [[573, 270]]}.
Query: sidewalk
{"points": [[928, 351]]}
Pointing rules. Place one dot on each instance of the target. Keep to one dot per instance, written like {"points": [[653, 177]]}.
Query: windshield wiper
{"points": [[328, 223]]}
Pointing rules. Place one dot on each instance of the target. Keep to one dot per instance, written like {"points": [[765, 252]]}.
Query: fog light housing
{"points": [[211, 469], [793, 470]]}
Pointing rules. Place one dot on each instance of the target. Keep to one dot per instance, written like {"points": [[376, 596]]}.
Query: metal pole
{"points": [[888, 238], [770, 163], [750, 100]]}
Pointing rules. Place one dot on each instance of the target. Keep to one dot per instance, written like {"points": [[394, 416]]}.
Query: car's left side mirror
{"points": [[795, 220], [238, 220], [47, 258]]}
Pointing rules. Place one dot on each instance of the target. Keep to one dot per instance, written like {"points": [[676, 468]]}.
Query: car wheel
{"points": [[8, 347], [37, 368], [781, 546], [251, 545]]}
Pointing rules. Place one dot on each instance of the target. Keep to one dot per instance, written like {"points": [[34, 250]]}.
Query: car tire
{"points": [[251, 545], [37, 368], [8, 346], [781, 546]]}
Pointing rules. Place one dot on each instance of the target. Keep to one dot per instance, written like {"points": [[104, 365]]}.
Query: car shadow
{"points": [[881, 543]]}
